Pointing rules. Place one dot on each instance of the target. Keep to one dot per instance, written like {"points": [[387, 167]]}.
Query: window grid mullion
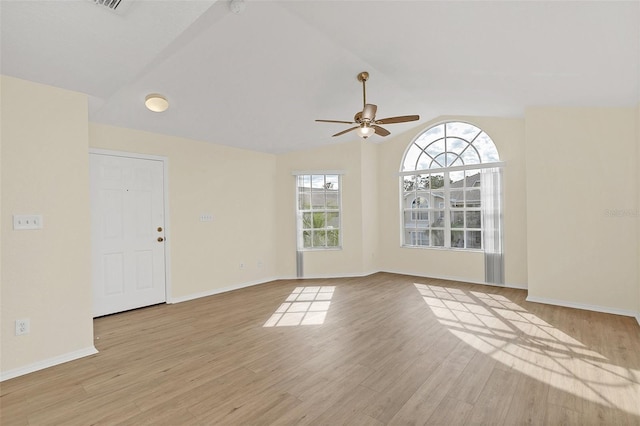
{"points": [[469, 214], [447, 211], [320, 196]]}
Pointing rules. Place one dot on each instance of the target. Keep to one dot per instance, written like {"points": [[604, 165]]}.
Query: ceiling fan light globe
{"points": [[365, 131]]}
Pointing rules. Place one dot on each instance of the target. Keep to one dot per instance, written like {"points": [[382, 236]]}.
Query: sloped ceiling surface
{"points": [[258, 79]]}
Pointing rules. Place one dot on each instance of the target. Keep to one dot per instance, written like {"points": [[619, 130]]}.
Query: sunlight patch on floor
{"points": [[510, 334], [304, 306]]}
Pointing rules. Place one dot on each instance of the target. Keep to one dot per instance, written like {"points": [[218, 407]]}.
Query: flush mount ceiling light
{"points": [[156, 103]]}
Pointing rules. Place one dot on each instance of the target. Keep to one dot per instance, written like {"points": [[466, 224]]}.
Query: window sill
{"points": [[455, 249], [312, 249]]}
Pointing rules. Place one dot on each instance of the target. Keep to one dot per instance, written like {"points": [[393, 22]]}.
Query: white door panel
{"points": [[127, 220]]}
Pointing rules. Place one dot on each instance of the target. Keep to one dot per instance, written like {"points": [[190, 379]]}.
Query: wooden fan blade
{"points": [[369, 112], [400, 119], [381, 131], [345, 131], [336, 121]]}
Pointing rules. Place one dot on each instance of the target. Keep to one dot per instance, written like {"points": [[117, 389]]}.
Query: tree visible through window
{"points": [[318, 208], [441, 183]]}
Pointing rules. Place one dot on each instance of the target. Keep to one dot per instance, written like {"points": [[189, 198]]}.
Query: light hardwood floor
{"points": [[383, 349]]}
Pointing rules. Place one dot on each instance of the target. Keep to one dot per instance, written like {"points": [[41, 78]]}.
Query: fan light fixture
{"points": [[367, 123], [156, 103], [365, 131]]}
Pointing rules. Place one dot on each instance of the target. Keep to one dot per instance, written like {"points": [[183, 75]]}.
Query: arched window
{"points": [[449, 145], [455, 168]]}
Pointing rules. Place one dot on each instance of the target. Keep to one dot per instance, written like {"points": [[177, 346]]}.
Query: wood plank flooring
{"points": [[383, 349]]}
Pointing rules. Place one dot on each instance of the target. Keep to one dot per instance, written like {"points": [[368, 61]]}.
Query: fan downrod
{"points": [[363, 77]]}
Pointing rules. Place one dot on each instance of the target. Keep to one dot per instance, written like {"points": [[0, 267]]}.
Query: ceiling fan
{"points": [[366, 121]]}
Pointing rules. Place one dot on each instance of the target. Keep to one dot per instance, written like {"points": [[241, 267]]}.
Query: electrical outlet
{"points": [[260, 264], [242, 266], [22, 327]]}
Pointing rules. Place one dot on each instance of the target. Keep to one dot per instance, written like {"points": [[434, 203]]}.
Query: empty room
{"points": [[255, 212]]}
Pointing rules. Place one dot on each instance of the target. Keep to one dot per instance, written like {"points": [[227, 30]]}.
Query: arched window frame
{"points": [[444, 161]]}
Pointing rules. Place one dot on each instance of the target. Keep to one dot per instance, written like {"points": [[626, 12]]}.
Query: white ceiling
{"points": [[258, 79]]}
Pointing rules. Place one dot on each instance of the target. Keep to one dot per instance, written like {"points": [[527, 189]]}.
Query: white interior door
{"points": [[127, 233]]}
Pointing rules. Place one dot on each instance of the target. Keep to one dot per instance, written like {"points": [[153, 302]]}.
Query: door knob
{"points": [[160, 239]]}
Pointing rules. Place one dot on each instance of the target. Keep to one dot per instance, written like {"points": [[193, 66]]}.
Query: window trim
{"points": [[447, 207], [299, 213], [491, 165], [446, 188], [444, 123]]}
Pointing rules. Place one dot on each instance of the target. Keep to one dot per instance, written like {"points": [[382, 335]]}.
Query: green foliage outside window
{"points": [[319, 211]]}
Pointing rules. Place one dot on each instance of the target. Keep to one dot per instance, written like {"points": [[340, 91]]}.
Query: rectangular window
{"points": [[443, 209], [318, 211]]}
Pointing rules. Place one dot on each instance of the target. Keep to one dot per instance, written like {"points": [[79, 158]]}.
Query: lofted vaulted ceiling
{"points": [[258, 79]]}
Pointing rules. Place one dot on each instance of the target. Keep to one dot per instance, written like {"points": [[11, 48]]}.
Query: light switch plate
{"points": [[22, 222], [22, 327]]}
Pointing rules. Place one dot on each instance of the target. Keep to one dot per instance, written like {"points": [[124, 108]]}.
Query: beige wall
{"points": [[560, 235], [582, 197], [369, 218], [46, 274], [236, 186], [508, 135], [346, 157], [638, 205]]}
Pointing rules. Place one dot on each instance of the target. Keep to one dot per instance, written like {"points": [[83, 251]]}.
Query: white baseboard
{"points": [[458, 279], [513, 285], [50, 362], [329, 276], [585, 306], [253, 283], [219, 290]]}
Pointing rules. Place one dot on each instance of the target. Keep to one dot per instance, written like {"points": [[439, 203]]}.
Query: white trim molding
{"points": [[330, 276], [318, 172], [219, 290], [127, 154], [46, 363], [585, 306], [458, 279], [259, 282]]}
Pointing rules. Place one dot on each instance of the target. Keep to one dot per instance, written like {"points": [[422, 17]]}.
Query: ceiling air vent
{"points": [[118, 6], [111, 4]]}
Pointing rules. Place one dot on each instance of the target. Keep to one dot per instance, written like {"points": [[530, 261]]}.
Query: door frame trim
{"points": [[167, 234]]}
